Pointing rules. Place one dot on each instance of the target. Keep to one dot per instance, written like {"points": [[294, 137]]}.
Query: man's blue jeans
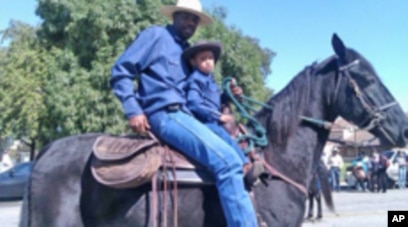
{"points": [[402, 174], [195, 140], [221, 132], [335, 178]]}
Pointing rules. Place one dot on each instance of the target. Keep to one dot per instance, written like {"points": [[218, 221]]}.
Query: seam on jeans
{"points": [[210, 148], [201, 139]]}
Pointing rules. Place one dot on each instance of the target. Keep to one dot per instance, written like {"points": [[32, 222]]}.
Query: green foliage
{"points": [[54, 79], [21, 79], [242, 57]]}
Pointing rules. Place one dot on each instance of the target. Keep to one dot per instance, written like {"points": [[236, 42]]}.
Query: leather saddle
{"points": [[126, 162]]}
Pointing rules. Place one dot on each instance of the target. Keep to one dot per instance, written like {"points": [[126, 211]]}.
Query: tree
{"points": [[54, 79], [23, 65], [242, 56]]}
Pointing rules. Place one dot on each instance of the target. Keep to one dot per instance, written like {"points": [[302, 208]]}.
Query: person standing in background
{"points": [[335, 163], [5, 161], [402, 169]]}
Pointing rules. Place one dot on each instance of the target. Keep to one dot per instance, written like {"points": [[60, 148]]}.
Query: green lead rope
{"points": [[256, 136]]}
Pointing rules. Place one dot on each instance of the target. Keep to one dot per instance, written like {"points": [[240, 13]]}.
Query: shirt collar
{"points": [[178, 39], [203, 77]]}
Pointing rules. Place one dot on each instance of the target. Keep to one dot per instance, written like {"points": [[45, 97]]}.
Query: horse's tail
{"points": [[25, 214], [323, 174]]}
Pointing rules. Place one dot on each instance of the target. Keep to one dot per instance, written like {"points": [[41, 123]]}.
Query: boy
{"points": [[204, 99]]}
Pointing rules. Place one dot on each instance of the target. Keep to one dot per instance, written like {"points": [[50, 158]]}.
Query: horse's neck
{"points": [[303, 147]]}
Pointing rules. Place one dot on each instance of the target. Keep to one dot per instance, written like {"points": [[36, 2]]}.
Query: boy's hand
{"points": [[139, 124], [226, 118], [236, 90]]}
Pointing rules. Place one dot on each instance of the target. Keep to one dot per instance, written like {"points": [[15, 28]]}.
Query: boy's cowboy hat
{"points": [[201, 45], [190, 6]]}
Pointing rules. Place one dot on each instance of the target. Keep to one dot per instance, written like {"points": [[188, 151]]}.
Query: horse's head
{"points": [[363, 99]]}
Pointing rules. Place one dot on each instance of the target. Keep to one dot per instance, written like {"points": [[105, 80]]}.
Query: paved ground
{"points": [[354, 209], [9, 213], [358, 209]]}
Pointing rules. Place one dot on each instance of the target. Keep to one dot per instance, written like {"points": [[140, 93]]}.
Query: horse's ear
{"points": [[339, 47]]}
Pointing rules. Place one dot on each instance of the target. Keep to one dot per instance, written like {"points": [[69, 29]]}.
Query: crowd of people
{"points": [[370, 171]]}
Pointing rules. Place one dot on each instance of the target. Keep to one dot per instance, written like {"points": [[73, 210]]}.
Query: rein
{"points": [[257, 138]]}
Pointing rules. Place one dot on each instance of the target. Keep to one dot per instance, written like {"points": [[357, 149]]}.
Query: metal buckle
{"points": [[173, 107]]}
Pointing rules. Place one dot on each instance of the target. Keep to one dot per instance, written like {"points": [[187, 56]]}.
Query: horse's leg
{"points": [[319, 205], [310, 211]]}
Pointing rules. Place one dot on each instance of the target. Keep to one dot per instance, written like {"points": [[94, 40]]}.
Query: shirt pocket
{"points": [[175, 70]]}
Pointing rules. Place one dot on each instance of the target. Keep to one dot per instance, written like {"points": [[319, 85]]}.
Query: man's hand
{"points": [[236, 90], [139, 124], [226, 118]]}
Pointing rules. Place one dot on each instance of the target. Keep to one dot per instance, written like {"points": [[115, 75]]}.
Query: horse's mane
{"points": [[289, 104]]}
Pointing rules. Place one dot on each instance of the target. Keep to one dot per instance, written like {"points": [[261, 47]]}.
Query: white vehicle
{"points": [[392, 170]]}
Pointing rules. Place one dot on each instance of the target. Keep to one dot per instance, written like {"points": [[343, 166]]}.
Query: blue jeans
{"points": [[196, 141], [221, 132], [335, 178], [402, 174]]}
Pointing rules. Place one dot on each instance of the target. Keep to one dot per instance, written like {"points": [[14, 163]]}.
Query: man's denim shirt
{"points": [[154, 56]]}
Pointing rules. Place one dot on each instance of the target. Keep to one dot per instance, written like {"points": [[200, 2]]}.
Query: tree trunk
{"points": [[32, 149]]}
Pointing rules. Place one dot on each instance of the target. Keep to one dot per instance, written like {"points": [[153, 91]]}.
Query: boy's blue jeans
{"points": [[221, 132], [196, 141]]}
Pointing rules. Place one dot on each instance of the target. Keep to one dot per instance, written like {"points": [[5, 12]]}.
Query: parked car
{"points": [[14, 181]]}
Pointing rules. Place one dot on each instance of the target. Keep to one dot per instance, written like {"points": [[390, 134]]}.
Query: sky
{"points": [[300, 33]]}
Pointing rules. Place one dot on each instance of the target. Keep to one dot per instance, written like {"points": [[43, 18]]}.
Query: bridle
{"points": [[375, 114]]}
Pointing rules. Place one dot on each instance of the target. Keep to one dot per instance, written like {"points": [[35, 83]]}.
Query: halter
{"points": [[375, 114]]}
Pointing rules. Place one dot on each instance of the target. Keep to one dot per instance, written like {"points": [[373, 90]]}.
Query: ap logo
{"points": [[397, 218]]}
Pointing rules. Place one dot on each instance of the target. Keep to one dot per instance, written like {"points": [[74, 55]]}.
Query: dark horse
{"points": [[62, 191]]}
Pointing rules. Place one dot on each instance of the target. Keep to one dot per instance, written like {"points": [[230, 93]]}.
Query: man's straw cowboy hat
{"points": [[190, 6]]}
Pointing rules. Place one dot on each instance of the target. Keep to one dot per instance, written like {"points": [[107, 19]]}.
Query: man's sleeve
{"points": [[136, 58]]}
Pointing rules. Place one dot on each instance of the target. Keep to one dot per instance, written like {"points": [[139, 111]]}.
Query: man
{"points": [[5, 161], [159, 104], [382, 173], [336, 163], [361, 165]]}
